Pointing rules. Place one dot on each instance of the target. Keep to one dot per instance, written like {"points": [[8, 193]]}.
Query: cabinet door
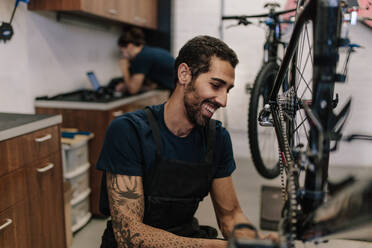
{"points": [[146, 13], [120, 10], [14, 226], [12, 189], [44, 142], [14, 154], [92, 6], [46, 203], [126, 10]]}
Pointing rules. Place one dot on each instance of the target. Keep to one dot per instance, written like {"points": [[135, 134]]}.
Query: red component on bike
{"points": [[283, 159]]}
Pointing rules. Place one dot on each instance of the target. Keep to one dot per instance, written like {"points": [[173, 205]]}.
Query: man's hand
{"points": [[251, 234], [124, 53], [271, 236], [121, 87], [124, 63], [229, 213]]}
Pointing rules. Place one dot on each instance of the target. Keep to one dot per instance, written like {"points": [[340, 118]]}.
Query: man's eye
{"points": [[215, 86]]}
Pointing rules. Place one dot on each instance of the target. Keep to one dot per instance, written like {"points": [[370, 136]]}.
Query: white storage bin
{"points": [[79, 179], [75, 155], [80, 210]]}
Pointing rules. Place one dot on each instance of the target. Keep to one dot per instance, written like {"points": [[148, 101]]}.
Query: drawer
{"points": [[12, 188], [44, 142], [79, 180], [14, 227], [44, 175], [21, 150], [74, 157], [80, 213], [14, 153]]}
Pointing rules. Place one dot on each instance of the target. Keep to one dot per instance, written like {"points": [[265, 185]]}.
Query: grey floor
{"points": [[247, 183]]}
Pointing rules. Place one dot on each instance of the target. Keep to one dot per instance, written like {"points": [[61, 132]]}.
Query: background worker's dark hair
{"points": [[197, 54], [132, 35]]}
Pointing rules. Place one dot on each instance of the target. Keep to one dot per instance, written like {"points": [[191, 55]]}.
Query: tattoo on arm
{"points": [[126, 199], [126, 203], [125, 188]]}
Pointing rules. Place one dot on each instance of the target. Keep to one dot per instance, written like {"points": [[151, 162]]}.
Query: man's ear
{"points": [[184, 74]]}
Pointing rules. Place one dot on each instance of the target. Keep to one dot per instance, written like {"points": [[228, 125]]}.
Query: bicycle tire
{"points": [[265, 77], [322, 35]]}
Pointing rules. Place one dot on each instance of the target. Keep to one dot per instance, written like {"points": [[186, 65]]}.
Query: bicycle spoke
{"points": [[303, 69], [308, 42], [303, 78], [294, 132], [307, 136], [302, 41], [303, 93], [302, 122]]}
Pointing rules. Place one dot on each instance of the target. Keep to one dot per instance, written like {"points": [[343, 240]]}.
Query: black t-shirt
{"points": [[157, 64], [129, 147]]}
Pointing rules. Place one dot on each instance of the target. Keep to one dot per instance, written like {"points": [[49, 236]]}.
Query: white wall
{"points": [[193, 17], [46, 57]]}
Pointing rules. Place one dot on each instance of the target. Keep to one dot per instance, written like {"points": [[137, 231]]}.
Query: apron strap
{"points": [[155, 130], [211, 140]]}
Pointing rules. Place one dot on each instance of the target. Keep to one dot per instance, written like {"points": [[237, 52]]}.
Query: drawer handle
{"points": [[118, 113], [7, 223], [140, 19], [113, 11], [42, 139], [46, 168]]}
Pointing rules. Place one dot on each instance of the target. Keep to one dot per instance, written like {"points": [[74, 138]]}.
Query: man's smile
{"points": [[209, 109]]}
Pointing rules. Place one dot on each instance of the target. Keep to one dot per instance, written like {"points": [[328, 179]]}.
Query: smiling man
{"points": [[159, 163]]}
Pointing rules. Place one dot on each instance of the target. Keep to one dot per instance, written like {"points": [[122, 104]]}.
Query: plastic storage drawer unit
{"points": [[79, 179], [80, 210], [75, 155]]}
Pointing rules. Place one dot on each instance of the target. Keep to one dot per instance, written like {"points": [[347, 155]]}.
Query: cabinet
{"points": [[31, 190], [137, 12], [95, 118]]}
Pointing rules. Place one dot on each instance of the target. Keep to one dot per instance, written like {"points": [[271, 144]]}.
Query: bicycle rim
{"points": [[262, 140]]}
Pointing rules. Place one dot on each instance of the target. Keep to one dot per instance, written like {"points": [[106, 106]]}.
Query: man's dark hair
{"points": [[132, 35], [197, 54]]}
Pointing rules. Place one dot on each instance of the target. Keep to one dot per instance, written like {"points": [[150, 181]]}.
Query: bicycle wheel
{"points": [[262, 140], [311, 83]]}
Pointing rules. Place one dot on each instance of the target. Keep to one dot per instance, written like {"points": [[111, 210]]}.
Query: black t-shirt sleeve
{"points": [[226, 163], [141, 64], [121, 151]]}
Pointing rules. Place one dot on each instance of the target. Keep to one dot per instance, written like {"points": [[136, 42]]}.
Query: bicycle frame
{"points": [[273, 39]]}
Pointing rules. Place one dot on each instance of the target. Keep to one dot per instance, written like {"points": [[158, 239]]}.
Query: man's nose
{"points": [[221, 99]]}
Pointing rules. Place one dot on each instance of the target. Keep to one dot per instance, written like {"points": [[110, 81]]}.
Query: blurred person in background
{"points": [[143, 67]]}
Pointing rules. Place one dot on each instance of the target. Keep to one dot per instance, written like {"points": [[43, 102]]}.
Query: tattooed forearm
{"points": [[126, 200]]}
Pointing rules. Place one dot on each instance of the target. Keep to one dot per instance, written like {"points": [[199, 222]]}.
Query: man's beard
{"points": [[193, 106]]}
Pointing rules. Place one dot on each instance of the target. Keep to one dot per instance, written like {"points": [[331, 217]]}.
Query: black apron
{"points": [[173, 190]]}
